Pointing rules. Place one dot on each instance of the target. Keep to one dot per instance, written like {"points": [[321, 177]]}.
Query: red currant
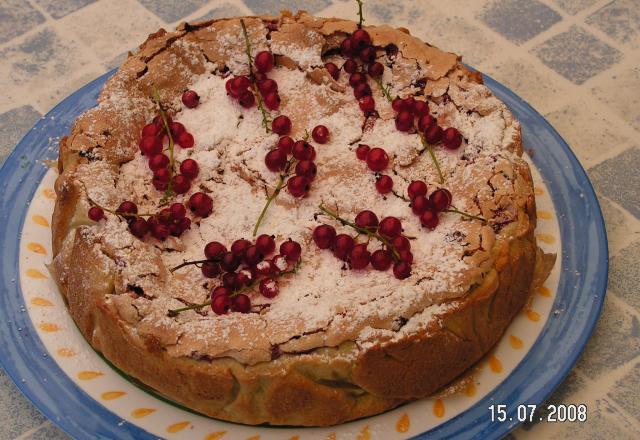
{"points": [[177, 210], [264, 61], [398, 104], [360, 39], [429, 219], [272, 101], [368, 55], [246, 99], [425, 122], [433, 134], [404, 121], [158, 161], [151, 145], [96, 213], [333, 70], [375, 69], [264, 268], [268, 85], [377, 159], [214, 250], [359, 257], [420, 108], [253, 255], [276, 160], [285, 143], [346, 47], [350, 66], [189, 168], [160, 179], [390, 227], [229, 262], [401, 243], [221, 304], [320, 134], [190, 99], [210, 269], [291, 250], [306, 168], [357, 78], [220, 291], [265, 244], [241, 303], [441, 199], [362, 151], [384, 184], [181, 184], [402, 270], [303, 151], [367, 104], [164, 216], [298, 186], [381, 260], [230, 281], [324, 236], [420, 204], [406, 256], [160, 231], [139, 227], [239, 247], [361, 90], [151, 130], [281, 125], [127, 208], [200, 204], [416, 188], [269, 287], [176, 129], [279, 264], [185, 140], [451, 138], [367, 220], [342, 246]]}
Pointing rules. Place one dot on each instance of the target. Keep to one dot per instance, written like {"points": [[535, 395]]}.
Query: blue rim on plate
{"points": [[580, 295]]}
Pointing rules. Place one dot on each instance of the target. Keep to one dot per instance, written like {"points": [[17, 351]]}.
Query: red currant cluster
{"points": [[377, 160], [239, 87], [169, 221], [302, 154], [245, 265], [356, 48], [395, 249], [428, 208], [413, 114]]}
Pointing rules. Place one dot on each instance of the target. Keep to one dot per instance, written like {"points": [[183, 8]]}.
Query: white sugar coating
{"points": [[325, 302]]}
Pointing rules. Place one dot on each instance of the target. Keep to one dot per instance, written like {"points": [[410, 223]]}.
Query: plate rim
{"points": [[112, 421]]}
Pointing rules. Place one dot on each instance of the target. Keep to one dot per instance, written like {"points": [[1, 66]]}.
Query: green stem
{"points": [[429, 149], [394, 251], [187, 263], [273, 195], [265, 115], [400, 196], [360, 13], [175, 312], [385, 90], [111, 211], [455, 210]]}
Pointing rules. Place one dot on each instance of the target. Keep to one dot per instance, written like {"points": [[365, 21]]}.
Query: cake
{"points": [[294, 220]]}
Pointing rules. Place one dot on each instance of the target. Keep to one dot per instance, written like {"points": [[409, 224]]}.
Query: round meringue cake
{"points": [[336, 342]]}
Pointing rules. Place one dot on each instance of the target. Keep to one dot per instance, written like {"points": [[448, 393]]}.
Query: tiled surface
{"points": [[575, 61]]}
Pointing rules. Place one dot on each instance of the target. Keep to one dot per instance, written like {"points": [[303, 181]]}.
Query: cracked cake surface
{"points": [[337, 342]]}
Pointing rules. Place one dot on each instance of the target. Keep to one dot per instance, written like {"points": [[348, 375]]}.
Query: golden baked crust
{"points": [[308, 379]]}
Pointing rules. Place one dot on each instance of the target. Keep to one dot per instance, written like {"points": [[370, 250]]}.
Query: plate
{"points": [[45, 355]]}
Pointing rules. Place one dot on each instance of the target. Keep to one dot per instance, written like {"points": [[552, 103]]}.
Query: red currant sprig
{"points": [[395, 247], [429, 208], [242, 268]]}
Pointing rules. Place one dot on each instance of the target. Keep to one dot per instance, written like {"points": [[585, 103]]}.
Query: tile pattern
{"points": [[16, 18], [60, 8], [574, 60], [519, 20], [577, 55]]}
